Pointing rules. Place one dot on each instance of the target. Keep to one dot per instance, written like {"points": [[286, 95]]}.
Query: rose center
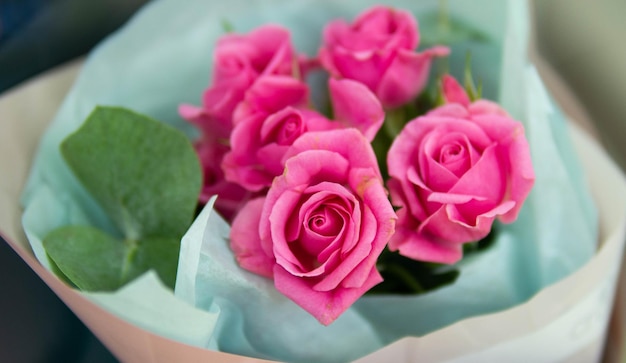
{"points": [[450, 153], [283, 128], [325, 222], [321, 229], [290, 130], [453, 151]]}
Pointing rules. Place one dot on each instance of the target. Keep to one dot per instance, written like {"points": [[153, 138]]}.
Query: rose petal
{"points": [[241, 165], [486, 107], [447, 224], [357, 276], [365, 67], [453, 110], [403, 195], [453, 92], [435, 175], [275, 231], [245, 240], [354, 105], [412, 244], [221, 99], [522, 177], [486, 179], [270, 158], [451, 198], [325, 306], [406, 76], [349, 143], [515, 152], [283, 127], [270, 94]]}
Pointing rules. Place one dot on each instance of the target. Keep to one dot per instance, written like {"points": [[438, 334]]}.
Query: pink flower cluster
{"points": [[304, 192]]}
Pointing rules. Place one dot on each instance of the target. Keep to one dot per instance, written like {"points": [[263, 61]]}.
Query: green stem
{"points": [[395, 120], [473, 92]]}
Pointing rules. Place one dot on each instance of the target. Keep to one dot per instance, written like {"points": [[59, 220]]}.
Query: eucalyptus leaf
{"points": [[144, 173], [147, 178], [57, 271], [90, 258], [161, 255]]}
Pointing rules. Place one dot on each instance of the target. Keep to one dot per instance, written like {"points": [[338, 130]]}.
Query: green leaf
{"points": [[91, 259], [145, 174], [160, 255], [439, 28], [95, 261], [57, 271], [147, 178]]}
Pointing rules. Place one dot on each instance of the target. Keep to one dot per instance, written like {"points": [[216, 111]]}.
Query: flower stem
{"points": [[394, 122]]}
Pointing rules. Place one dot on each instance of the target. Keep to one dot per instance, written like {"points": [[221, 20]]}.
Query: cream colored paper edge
{"points": [[579, 303]]}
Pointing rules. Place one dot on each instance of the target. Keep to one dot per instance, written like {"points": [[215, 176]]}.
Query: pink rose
{"points": [[238, 61], [274, 115], [266, 124], [453, 172], [269, 95], [266, 50], [322, 225], [379, 50]]}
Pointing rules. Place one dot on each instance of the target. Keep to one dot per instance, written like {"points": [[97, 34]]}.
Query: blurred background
{"points": [[585, 43], [582, 40]]}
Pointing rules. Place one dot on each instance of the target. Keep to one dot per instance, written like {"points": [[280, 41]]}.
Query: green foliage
{"points": [[147, 177]]}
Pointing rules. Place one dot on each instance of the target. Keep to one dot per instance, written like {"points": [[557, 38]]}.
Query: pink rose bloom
{"points": [[322, 226], [274, 115], [266, 123], [453, 172], [379, 50], [269, 95], [266, 50], [238, 61]]}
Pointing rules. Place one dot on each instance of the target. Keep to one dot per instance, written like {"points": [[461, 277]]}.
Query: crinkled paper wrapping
{"points": [[152, 65]]}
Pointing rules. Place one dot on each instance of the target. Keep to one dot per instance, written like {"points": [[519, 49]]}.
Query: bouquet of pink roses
{"points": [[308, 199], [335, 190]]}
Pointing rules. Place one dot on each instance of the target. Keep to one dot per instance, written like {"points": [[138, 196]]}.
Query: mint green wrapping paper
{"points": [[162, 58]]}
